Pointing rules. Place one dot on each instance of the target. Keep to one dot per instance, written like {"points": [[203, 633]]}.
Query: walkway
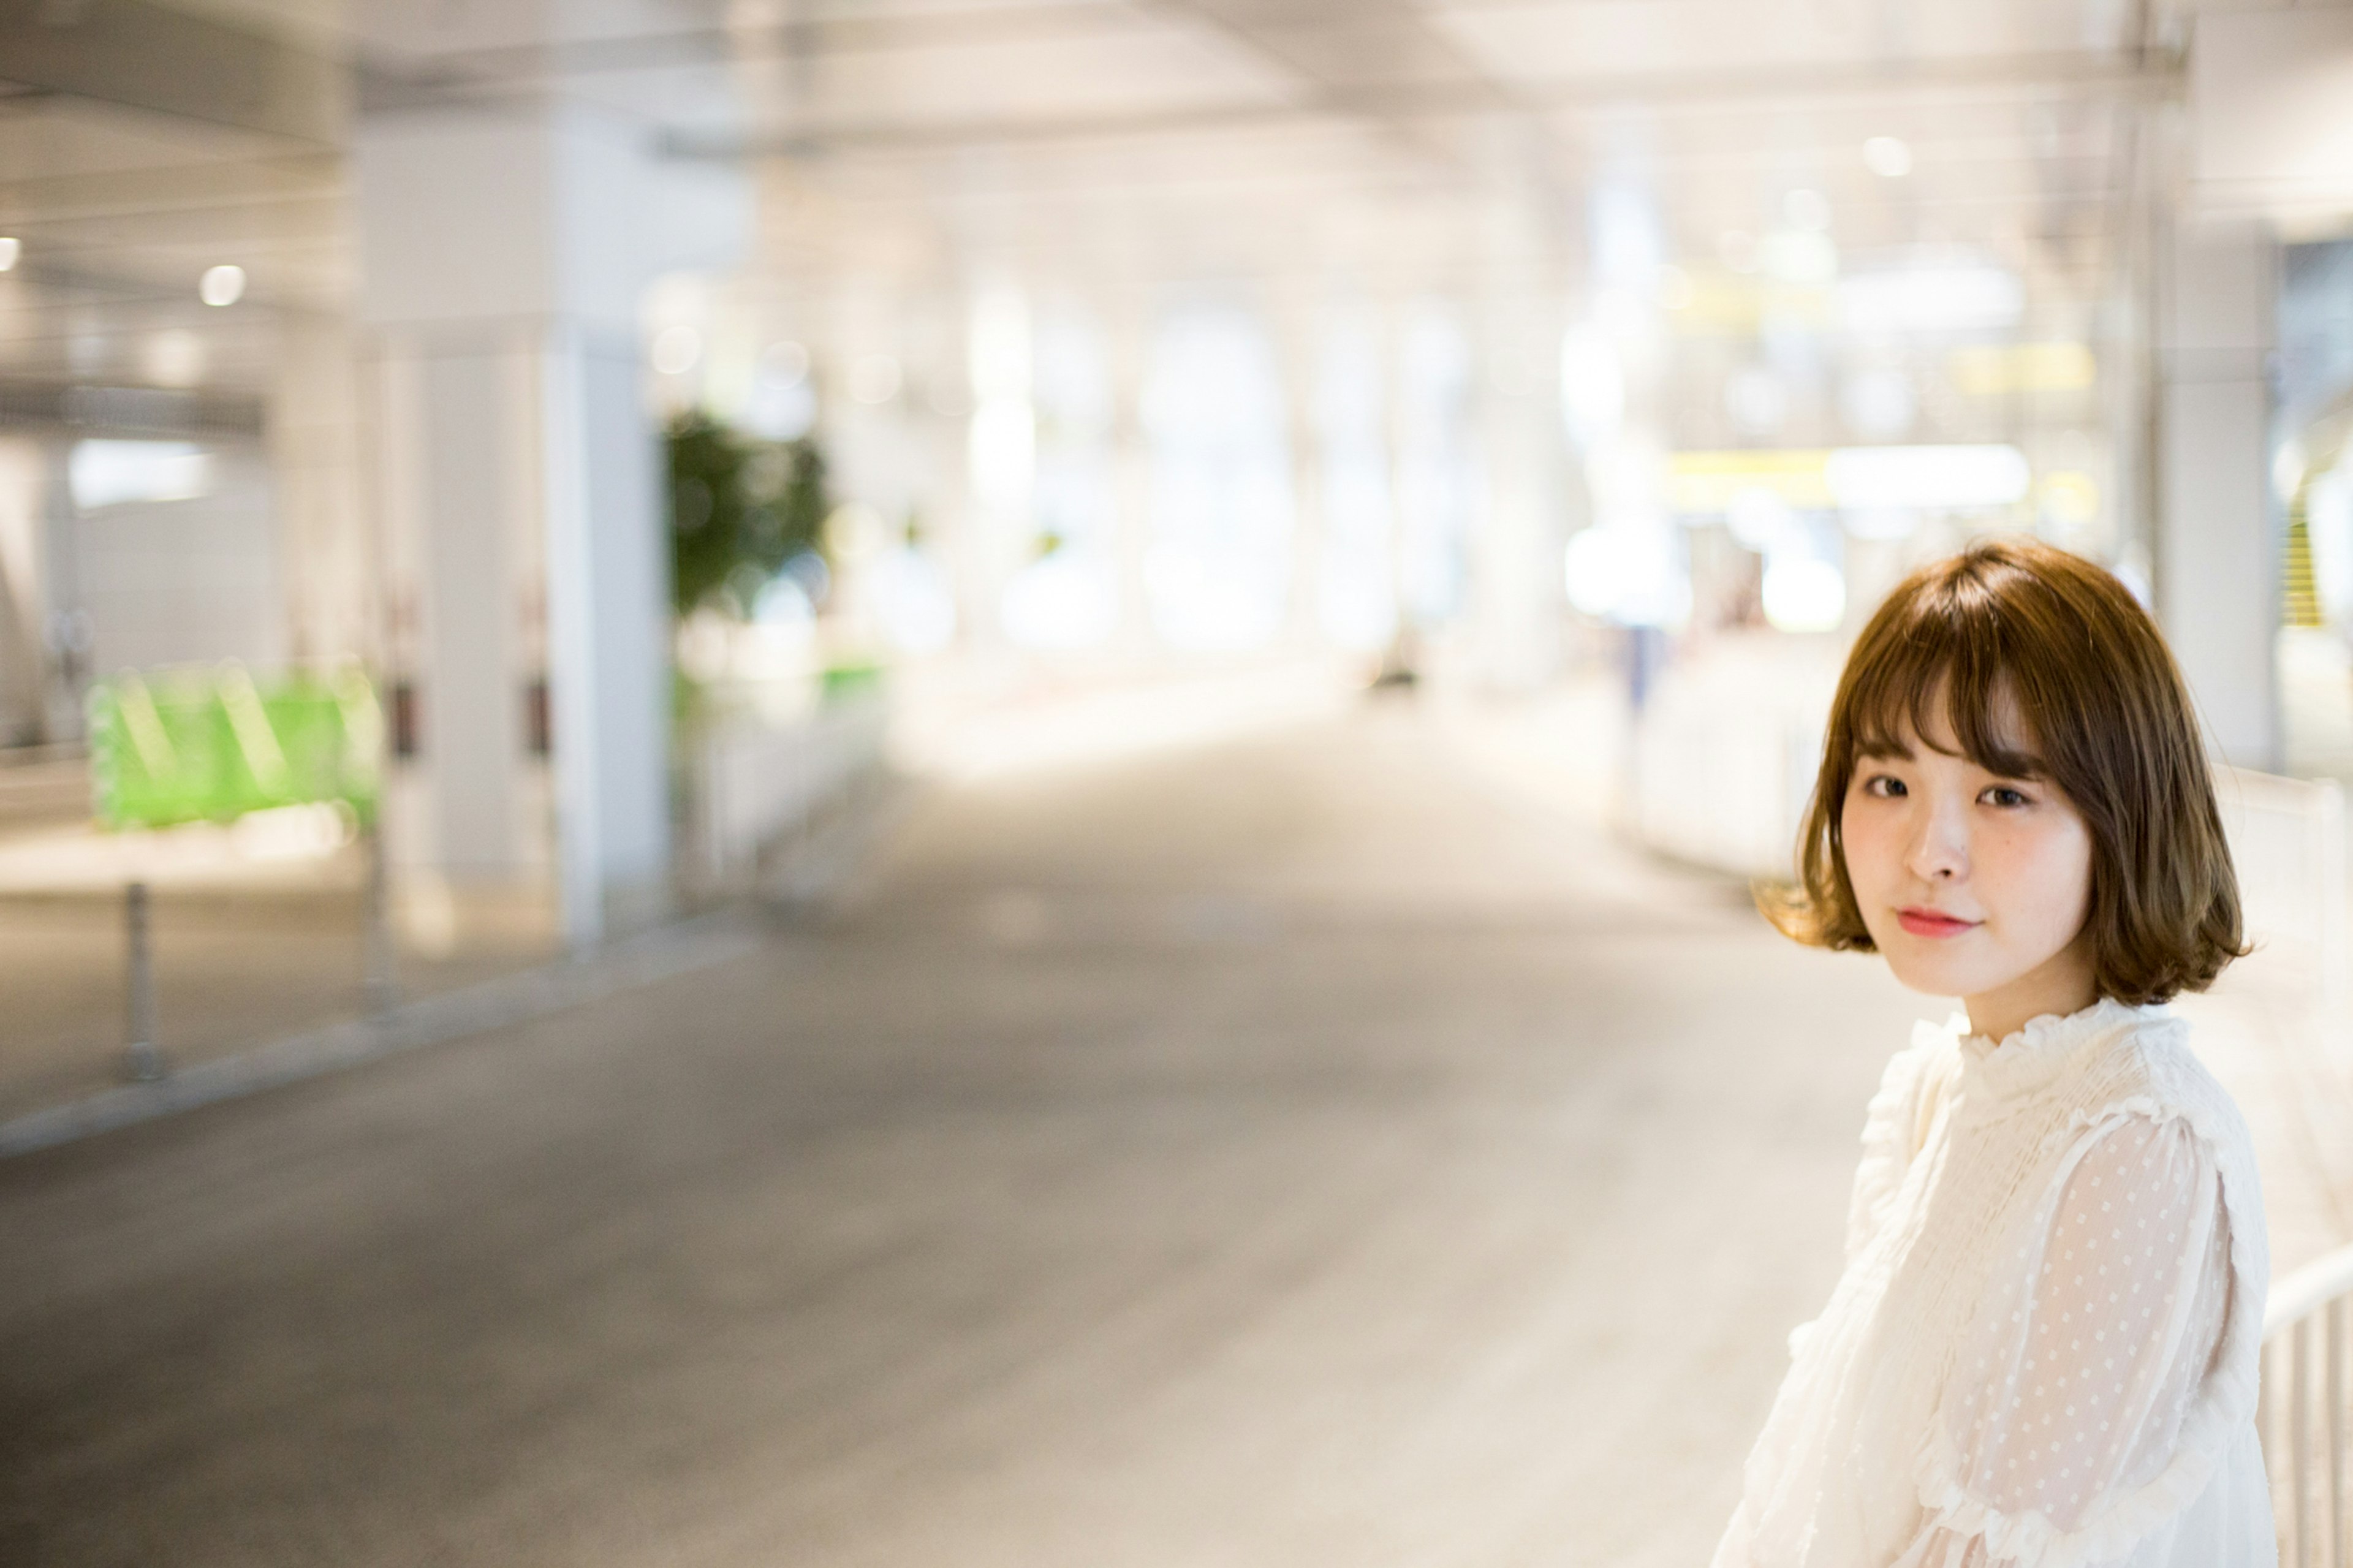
{"points": [[1305, 1150]]}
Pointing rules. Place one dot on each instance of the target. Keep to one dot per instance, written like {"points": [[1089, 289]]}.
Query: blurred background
{"points": [[1057, 712]]}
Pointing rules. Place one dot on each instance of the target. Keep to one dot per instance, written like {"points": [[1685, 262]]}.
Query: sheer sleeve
{"points": [[1892, 1131], [2062, 1438]]}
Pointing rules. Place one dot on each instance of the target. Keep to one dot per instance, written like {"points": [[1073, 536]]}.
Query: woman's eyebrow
{"points": [[1884, 751]]}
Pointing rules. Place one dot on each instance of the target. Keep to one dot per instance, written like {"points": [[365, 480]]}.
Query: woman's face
{"points": [[1972, 885]]}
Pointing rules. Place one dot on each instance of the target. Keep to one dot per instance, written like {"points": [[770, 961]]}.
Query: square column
{"points": [[516, 477], [2218, 537]]}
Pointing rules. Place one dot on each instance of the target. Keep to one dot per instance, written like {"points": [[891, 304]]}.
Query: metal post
{"points": [[380, 978], [2299, 1449], [2334, 1362], [145, 1062]]}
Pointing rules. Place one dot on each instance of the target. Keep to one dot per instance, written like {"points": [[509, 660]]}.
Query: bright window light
{"points": [[1934, 479], [110, 473], [1802, 595], [1761, 519], [1217, 572], [916, 604], [1628, 574], [1953, 298], [1592, 385], [1803, 256], [1597, 571], [1066, 601], [11, 249], [1357, 590], [1887, 156], [1004, 449]]}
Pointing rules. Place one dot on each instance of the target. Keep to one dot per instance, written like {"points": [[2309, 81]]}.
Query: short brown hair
{"points": [[2115, 731]]}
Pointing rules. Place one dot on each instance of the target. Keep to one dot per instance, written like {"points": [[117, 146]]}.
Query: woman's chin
{"points": [[1921, 972]]}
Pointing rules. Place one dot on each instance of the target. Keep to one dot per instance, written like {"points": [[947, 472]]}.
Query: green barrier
{"points": [[841, 682], [210, 745]]}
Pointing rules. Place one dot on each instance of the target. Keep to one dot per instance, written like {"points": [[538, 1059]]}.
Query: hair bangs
{"points": [[1948, 656]]}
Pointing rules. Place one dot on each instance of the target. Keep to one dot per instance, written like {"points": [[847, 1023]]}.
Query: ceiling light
{"points": [[1936, 479], [1887, 156], [11, 248], [222, 285]]}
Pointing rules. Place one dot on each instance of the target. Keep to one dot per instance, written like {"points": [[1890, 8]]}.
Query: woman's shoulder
{"points": [[2148, 1072], [1932, 1055], [2149, 1068], [1910, 1086]]}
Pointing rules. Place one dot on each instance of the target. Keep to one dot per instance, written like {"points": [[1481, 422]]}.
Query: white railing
{"points": [[1724, 754], [2302, 1413], [756, 785], [2287, 842]]}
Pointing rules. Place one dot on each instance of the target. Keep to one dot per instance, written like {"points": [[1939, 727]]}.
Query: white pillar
{"points": [[1127, 334], [66, 626], [2217, 534], [1002, 455], [502, 255], [326, 565], [24, 602], [1518, 598]]}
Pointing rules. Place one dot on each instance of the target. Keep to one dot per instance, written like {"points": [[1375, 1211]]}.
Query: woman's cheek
{"points": [[1866, 847]]}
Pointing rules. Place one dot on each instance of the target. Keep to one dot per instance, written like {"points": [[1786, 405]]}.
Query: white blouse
{"points": [[2043, 1351]]}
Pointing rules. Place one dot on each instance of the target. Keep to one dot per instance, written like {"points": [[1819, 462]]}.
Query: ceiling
{"points": [[911, 144]]}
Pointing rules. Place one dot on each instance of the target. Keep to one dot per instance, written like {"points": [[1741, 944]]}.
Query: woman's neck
{"points": [[2062, 983]]}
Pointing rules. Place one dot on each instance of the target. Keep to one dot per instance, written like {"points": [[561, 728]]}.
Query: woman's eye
{"points": [[1886, 788], [2002, 794]]}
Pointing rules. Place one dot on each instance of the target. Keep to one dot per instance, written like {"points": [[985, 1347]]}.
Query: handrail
{"points": [[2301, 1387], [2308, 1289]]}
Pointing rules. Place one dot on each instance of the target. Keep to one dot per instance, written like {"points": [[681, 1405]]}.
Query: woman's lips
{"points": [[1927, 922]]}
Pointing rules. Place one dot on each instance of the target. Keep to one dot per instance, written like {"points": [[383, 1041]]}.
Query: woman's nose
{"points": [[1939, 852]]}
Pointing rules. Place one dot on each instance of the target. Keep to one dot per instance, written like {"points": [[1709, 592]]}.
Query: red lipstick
{"points": [[1928, 922]]}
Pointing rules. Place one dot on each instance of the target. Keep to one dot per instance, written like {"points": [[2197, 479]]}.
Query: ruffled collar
{"points": [[2038, 1052]]}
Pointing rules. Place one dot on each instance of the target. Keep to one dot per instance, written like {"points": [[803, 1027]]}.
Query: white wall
{"points": [[187, 581]]}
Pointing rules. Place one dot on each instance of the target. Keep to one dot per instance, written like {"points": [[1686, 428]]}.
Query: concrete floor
{"points": [[1306, 1150], [232, 967]]}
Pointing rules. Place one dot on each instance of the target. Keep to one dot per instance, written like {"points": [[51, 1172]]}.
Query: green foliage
{"points": [[739, 508]]}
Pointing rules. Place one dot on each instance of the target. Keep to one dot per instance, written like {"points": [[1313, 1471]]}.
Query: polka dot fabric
{"points": [[2042, 1351], [2072, 1390]]}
